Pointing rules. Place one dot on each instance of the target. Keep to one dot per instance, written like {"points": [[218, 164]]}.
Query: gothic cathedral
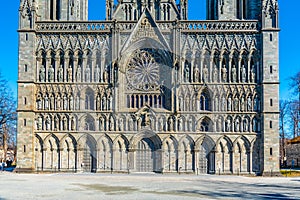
{"points": [[148, 90]]}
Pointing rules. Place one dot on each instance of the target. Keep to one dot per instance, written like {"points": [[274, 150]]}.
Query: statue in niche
{"points": [[228, 125], [233, 74], [253, 74], [186, 73], [46, 100], [161, 124], [78, 75], [111, 124], [249, 104], [242, 104], [40, 123], [65, 103], [52, 103], [71, 103], [105, 76], [100, 124], [229, 104], [70, 74], [56, 123], [237, 125], [244, 74], [236, 104], [144, 116], [191, 124], [58, 103], [60, 74], [104, 103], [215, 74], [97, 74], [48, 123], [170, 124], [73, 124], [51, 74], [39, 103], [223, 104], [121, 124], [205, 73], [180, 124], [77, 102], [42, 74], [98, 100], [197, 73], [224, 74], [87, 74], [245, 125]]}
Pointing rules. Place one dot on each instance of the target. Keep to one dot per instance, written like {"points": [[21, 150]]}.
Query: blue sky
{"points": [[289, 38]]}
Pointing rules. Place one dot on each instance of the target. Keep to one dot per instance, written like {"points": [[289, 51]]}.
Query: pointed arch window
{"points": [[89, 100], [205, 103]]}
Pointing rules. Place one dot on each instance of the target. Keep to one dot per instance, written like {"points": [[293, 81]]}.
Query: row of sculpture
{"points": [[139, 121]]}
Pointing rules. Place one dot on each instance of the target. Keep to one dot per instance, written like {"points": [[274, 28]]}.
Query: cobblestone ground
{"points": [[144, 186]]}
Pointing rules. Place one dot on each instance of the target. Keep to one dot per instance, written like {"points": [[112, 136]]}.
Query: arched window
{"points": [[89, 99], [205, 103], [89, 123]]}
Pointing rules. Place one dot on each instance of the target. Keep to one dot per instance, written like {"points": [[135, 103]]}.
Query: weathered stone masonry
{"points": [[147, 89]]}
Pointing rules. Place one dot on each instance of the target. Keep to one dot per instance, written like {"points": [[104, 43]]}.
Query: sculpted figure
{"points": [[71, 103], [205, 74], [224, 74], [40, 123], [233, 74], [229, 108], [196, 76], [56, 123], [249, 104], [60, 74], [228, 125], [97, 74], [87, 74], [215, 74], [186, 73], [46, 100], [105, 76], [42, 74], [78, 75], [70, 74], [48, 123], [51, 74], [244, 74], [253, 74]]}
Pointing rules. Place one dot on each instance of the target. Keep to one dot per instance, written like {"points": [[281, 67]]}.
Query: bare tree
{"points": [[8, 115], [284, 111]]}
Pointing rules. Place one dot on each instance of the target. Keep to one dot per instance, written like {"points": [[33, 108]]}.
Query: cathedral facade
{"points": [[148, 90]]}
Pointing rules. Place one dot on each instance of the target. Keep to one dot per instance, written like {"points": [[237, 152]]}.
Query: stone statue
{"points": [[224, 74], [180, 124], [196, 76], [236, 104], [233, 74], [242, 104], [58, 103], [244, 74], [215, 74], [39, 103], [245, 125], [111, 124], [191, 126], [228, 125], [223, 104], [121, 124], [52, 103], [65, 124], [40, 123], [105, 76], [88, 74], [71, 103], [78, 75], [229, 108], [42, 74], [98, 100], [56, 123], [46, 100], [51, 74], [104, 103], [205, 74], [237, 125], [70, 74], [249, 104], [60, 74], [65, 103], [72, 124], [48, 123], [253, 75], [186, 73], [161, 124], [77, 104], [97, 74]]}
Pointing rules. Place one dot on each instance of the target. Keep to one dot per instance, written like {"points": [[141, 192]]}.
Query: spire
{"points": [[270, 12]]}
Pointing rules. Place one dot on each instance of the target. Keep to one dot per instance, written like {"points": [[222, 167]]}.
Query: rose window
{"points": [[143, 70]]}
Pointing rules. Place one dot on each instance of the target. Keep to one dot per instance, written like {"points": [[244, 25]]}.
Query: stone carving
{"points": [[224, 74], [205, 74], [78, 75], [233, 74], [97, 74], [244, 74], [87, 74], [70, 74], [42, 74], [51, 74], [60, 74]]}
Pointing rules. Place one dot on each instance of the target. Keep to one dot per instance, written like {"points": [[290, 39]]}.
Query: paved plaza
{"points": [[144, 186]]}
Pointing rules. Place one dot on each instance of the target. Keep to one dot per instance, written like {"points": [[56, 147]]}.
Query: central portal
{"points": [[145, 156]]}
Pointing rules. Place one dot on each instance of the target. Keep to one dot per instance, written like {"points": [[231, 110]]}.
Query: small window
{"points": [[25, 122], [271, 69], [26, 37], [25, 68], [24, 148], [271, 102], [25, 101], [271, 151], [271, 124], [271, 37]]}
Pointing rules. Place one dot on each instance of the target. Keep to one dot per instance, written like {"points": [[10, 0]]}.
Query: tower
{"points": [[270, 86]]}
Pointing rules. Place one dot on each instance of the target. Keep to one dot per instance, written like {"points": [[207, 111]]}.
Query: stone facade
{"points": [[146, 90]]}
